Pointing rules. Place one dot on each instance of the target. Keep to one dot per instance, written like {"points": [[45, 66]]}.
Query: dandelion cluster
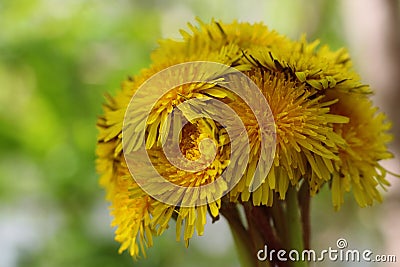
{"points": [[327, 130]]}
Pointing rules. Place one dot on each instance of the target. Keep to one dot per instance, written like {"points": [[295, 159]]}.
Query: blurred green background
{"points": [[58, 58]]}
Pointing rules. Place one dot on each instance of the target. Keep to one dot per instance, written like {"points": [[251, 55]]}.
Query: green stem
{"points": [[304, 202], [295, 229], [280, 224], [242, 238]]}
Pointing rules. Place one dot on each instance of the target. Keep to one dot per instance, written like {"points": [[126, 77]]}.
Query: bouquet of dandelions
{"points": [[235, 118]]}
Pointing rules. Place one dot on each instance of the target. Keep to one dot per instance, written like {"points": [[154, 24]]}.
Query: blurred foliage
{"points": [[56, 62], [57, 59]]}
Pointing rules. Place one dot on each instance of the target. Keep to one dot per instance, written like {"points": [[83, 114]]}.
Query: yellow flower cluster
{"points": [[327, 131]]}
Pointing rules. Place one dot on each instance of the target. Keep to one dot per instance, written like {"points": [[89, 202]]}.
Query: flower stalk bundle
{"points": [[297, 119]]}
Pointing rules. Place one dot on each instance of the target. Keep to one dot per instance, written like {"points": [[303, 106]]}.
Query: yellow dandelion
{"points": [[366, 139], [306, 142], [225, 40]]}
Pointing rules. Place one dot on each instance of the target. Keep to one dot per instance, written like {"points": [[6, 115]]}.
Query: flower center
{"points": [[189, 142]]}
